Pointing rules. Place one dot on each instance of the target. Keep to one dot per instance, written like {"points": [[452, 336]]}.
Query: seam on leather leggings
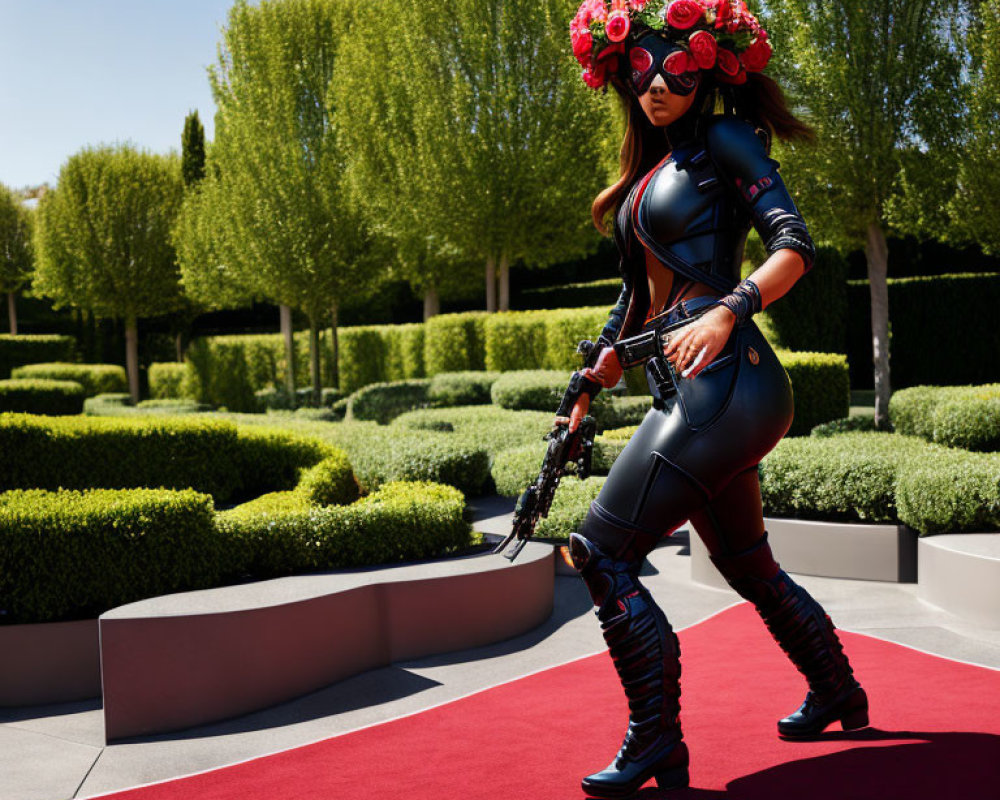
{"points": [[624, 524], [698, 484]]}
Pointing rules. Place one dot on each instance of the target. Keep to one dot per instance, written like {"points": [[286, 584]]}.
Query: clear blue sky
{"points": [[87, 72]]}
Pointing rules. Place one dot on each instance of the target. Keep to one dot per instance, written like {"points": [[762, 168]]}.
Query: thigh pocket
{"points": [[704, 397]]}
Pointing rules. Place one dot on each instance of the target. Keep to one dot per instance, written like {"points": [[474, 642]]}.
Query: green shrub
{"points": [[277, 397], [515, 340], [363, 358], [533, 389], [167, 380], [859, 422], [73, 555], [455, 342], [468, 388], [952, 492], [849, 477], [405, 351], [118, 404], [33, 349], [209, 455], [565, 328], [515, 468], [331, 482], [956, 416], [569, 507], [820, 386], [41, 396], [488, 427], [94, 378], [402, 521], [382, 402], [795, 321]]}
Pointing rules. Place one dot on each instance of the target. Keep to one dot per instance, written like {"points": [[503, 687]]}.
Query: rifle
{"points": [[564, 447]]}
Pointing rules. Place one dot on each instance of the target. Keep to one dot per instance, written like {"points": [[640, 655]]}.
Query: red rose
{"points": [[703, 48], [609, 51], [684, 14], [723, 12], [727, 61], [617, 26], [756, 56], [583, 44], [677, 62], [738, 78], [594, 77]]}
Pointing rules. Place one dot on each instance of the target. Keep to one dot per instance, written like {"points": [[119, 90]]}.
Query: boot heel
{"points": [[675, 778], [855, 719]]}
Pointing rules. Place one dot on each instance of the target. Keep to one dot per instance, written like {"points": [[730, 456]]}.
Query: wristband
{"points": [[744, 301]]}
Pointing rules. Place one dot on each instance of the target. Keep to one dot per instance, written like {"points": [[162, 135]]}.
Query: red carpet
{"points": [[935, 734]]}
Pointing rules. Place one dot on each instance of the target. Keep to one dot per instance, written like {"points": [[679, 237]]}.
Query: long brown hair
{"points": [[759, 100]]}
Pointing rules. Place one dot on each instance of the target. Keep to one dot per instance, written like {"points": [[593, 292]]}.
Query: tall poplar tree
{"points": [[485, 145], [293, 234], [975, 206], [880, 82], [103, 239], [15, 250]]}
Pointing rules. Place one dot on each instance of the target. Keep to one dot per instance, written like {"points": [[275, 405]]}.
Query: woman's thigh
{"points": [[733, 520], [684, 456]]}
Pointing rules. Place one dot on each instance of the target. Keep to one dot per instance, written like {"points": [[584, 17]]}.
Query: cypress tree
{"points": [[192, 149]]}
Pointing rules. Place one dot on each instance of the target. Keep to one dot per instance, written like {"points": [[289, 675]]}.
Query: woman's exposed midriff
{"points": [[661, 282]]}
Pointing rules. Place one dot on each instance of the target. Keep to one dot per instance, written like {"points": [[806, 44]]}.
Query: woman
{"points": [[693, 182]]}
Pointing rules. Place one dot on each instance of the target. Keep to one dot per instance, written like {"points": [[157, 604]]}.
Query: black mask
{"points": [[647, 57]]}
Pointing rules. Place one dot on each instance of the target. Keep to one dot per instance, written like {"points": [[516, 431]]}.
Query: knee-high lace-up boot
{"points": [[646, 655], [807, 635]]}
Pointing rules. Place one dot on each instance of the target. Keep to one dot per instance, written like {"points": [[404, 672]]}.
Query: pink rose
{"points": [[637, 5], [756, 56], [703, 48], [593, 10], [727, 61], [684, 14], [618, 25]]}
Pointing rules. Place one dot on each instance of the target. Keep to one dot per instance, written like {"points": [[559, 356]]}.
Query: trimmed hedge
{"points": [[943, 330], [455, 342], [94, 378], [468, 388], [859, 422], [73, 555], [364, 353], [167, 380], [118, 405], [382, 402], [820, 385], [879, 477], [591, 293], [400, 522], [41, 396], [208, 455], [330, 483], [32, 349], [957, 416], [515, 340], [812, 316]]}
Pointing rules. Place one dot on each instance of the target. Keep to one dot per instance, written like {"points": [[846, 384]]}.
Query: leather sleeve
{"points": [[742, 159]]}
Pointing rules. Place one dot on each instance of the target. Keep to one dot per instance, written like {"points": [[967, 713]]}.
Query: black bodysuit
{"points": [[693, 212]]}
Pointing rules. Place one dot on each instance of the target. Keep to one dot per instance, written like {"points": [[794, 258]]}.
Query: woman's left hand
{"points": [[709, 333]]}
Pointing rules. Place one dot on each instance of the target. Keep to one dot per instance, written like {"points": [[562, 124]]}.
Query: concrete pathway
{"points": [[58, 752]]}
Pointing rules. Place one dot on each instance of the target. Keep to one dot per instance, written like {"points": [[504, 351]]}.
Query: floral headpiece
{"points": [[718, 35]]}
